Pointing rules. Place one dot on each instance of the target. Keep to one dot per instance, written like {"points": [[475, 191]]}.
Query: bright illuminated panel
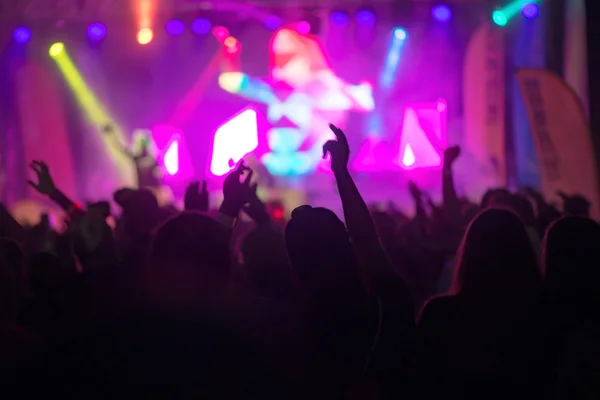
{"points": [[233, 140], [423, 136], [302, 91], [171, 159]]}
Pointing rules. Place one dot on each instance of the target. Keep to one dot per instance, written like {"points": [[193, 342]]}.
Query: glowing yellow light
{"points": [[230, 41], [94, 110], [145, 36], [56, 49], [231, 81]]}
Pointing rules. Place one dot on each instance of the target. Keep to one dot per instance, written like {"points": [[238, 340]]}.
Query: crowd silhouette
{"points": [[496, 300]]}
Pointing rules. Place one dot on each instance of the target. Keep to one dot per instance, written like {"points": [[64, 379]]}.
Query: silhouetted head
{"points": [[189, 261], [141, 212], [576, 205], [320, 251], [524, 209], [12, 280], [266, 262], [571, 260], [47, 274], [496, 198], [496, 258]]}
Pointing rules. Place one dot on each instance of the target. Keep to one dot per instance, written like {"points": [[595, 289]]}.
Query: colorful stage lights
{"points": [[221, 33], [232, 45], [22, 35], [530, 10], [441, 13], [499, 18], [56, 49], [175, 27], [339, 18], [303, 27], [365, 17], [400, 34], [201, 26], [96, 31], [272, 22], [145, 36]]}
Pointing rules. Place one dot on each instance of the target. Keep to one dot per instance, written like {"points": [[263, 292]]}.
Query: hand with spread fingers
{"points": [[45, 183], [339, 151], [235, 192], [195, 199]]}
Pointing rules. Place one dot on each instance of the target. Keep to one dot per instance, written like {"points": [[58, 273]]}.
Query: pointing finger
{"points": [[328, 147]]}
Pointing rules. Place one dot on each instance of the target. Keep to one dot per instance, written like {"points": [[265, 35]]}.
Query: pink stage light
{"points": [[171, 158], [174, 156], [232, 44], [423, 135], [221, 33], [374, 155], [233, 140], [441, 106], [303, 28]]}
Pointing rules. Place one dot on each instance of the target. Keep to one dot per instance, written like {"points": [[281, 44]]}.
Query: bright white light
{"points": [[400, 34], [172, 158], [233, 140]]}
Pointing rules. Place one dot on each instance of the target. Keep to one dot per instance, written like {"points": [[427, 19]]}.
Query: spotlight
{"points": [[22, 35], [365, 17], [339, 18], [96, 31], [56, 49], [272, 22], [145, 36], [303, 28], [175, 27], [201, 26], [221, 33], [232, 44], [499, 18], [530, 10], [230, 41], [400, 34], [441, 13]]}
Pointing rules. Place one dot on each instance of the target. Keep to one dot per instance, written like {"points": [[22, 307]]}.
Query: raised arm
{"points": [[110, 131], [356, 213], [235, 195], [451, 202], [45, 186]]}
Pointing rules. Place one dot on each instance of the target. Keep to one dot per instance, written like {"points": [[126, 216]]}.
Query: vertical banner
{"points": [[484, 102], [528, 51], [575, 50], [43, 128], [562, 136]]}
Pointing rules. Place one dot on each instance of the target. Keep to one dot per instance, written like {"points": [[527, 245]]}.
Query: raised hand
{"points": [[256, 209], [414, 190], [195, 199], [236, 193], [450, 155], [339, 151], [45, 183]]}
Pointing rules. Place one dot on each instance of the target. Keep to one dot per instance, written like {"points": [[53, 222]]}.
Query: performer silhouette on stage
{"points": [[149, 173]]}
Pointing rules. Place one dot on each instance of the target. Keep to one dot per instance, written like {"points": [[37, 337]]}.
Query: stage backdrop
{"points": [[484, 102], [562, 136]]}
